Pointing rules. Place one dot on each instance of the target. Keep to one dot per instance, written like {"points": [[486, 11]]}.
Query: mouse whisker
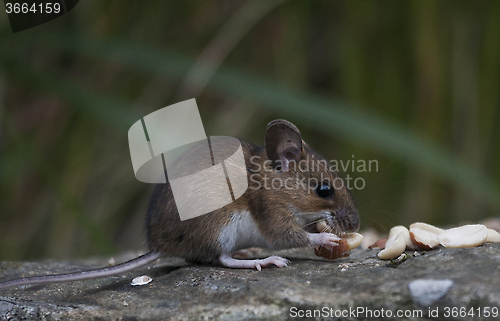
{"points": [[311, 223]]}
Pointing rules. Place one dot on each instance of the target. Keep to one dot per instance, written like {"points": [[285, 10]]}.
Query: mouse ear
{"points": [[283, 143]]}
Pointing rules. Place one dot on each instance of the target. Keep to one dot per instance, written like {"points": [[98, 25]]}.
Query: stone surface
{"points": [[181, 291]]}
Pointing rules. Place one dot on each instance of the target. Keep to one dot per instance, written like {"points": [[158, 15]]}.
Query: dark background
{"points": [[411, 84]]}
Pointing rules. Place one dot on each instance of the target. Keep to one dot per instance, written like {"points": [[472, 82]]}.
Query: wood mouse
{"points": [[290, 189]]}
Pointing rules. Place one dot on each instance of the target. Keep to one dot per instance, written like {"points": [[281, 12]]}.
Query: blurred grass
{"points": [[331, 117], [396, 82]]}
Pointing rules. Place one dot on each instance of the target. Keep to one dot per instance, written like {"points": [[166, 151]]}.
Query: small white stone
{"points": [[426, 292], [402, 257], [141, 280]]}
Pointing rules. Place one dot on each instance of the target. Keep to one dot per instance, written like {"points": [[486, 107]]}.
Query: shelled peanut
{"points": [[426, 237]]}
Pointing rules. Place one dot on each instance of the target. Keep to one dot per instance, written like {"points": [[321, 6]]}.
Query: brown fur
{"points": [[278, 212]]}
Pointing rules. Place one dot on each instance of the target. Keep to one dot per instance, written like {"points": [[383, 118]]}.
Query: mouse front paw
{"points": [[327, 240], [258, 264]]}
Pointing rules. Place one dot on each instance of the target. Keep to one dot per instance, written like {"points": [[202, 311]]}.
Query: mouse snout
{"points": [[347, 220]]}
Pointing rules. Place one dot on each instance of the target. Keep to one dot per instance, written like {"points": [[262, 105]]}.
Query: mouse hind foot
{"points": [[227, 261]]}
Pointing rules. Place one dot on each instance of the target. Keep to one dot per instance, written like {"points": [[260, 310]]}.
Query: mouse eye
{"points": [[324, 190]]}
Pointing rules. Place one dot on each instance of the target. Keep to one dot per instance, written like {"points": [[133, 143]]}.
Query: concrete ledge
{"points": [[441, 279]]}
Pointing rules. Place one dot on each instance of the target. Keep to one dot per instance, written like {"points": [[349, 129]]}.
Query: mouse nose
{"points": [[347, 220]]}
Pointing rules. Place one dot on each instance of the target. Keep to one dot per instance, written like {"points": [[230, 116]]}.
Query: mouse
{"points": [[290, 189]]}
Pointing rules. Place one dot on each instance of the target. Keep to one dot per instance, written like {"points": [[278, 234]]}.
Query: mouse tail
{"points": [[85, 275]]}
